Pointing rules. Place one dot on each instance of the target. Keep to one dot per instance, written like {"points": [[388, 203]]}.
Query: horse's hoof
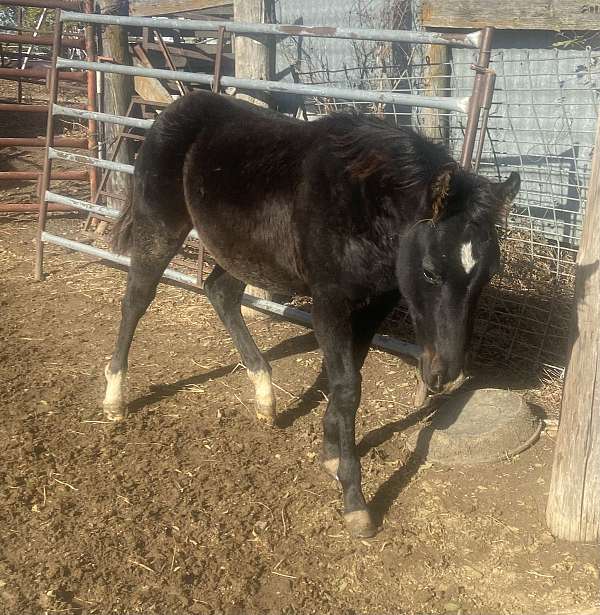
{"points": [[359, 524], [114, 412], [331, 467], [266, 415], [420, 394]]}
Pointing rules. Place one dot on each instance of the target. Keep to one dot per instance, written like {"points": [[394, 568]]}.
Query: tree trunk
{"points": [[255, 59], [118, 91], [573, 511]]}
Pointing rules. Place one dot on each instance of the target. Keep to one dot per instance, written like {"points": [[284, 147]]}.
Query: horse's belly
{"points": [[244, 265], [260, 274]]}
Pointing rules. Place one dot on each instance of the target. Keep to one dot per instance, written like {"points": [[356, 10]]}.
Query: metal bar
{"points": [[42, 40], [120, 138], [30, 175], [32, 208], [42, 4], [37, 73], [45, 181], [95, 162], [486, 104], [483, 63], [183, 89], [471, 40], [90, 51], [19, 58], [82, 205], [12, 107], [434, 102], [94, 208], [41, 142], [216, 84], [133, 122], [380, 341], [36, 32]]}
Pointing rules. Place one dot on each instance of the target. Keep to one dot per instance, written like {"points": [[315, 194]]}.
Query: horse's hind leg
{"points": [[225, 293], [154, 245]]}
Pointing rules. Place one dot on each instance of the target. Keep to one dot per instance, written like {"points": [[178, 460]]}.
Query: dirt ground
{"points": [[192, 506]]}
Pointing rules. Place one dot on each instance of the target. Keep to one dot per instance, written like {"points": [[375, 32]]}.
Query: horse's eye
{"points": [[431, 276]]}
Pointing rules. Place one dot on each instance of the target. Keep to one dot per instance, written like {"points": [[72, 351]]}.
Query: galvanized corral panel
{"points": [[542, 124]]}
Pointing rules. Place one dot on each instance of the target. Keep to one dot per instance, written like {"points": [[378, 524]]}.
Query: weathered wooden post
{"points": [[436, 122], [573, 511], [255, 59], [118, 90]]}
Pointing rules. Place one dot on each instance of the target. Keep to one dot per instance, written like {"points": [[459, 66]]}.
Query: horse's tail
{"points": [[122, 231], [165, 147]]}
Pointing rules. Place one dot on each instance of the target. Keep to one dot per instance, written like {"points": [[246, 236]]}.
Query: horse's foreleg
{"points": [[366, 321], [225, 293], [333, 327], [147, 266]]}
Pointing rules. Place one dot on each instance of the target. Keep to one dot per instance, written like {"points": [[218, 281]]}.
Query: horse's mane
{"points": [[404, 160], [371, 148]]}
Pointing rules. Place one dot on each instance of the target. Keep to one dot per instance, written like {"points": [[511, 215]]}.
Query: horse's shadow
{"points": [[391, 488], [289, 347]]}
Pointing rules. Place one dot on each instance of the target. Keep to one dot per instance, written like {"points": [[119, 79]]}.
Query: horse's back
{"points": [[278, 202], [241, 179]]}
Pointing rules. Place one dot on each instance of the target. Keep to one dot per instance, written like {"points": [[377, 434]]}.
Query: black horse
{"points": [[346, 209]]}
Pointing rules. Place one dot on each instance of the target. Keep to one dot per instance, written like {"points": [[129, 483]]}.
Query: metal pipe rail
{"points": [[100, 163], [471, 40], [72, 142], [132, 122], [468, 105], [38, 74], [42, 40], [107, 212], [43, 4], [81, 205], [384, 342], [446, 103]]}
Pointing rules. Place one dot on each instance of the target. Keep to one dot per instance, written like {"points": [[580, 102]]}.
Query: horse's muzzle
{"points": [[432, 378]]}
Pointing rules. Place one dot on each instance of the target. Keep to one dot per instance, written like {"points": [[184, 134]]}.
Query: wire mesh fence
{"points": [[542, 124]]}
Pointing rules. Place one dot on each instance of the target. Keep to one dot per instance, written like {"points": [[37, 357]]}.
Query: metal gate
{"points": [[473, 107]]}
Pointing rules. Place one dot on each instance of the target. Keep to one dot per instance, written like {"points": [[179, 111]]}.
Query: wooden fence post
{"points": [[435, 122], [118, 91], [573, 510], [254, 59]]}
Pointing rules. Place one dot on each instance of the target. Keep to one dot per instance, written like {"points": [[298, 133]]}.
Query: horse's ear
{"points": [[440, 187], [506, 192]]}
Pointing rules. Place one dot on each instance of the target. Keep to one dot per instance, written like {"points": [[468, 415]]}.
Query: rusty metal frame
{"points": [[21, 74], [479, 97], [45, 181]]}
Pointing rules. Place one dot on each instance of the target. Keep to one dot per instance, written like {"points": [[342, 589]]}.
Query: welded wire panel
{"points": [[542, 125]]}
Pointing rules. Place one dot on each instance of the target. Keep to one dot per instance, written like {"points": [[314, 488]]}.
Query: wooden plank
{"points": [[151, 89], [512, 14], [148, 8], [573, 511], [148, 88]]}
